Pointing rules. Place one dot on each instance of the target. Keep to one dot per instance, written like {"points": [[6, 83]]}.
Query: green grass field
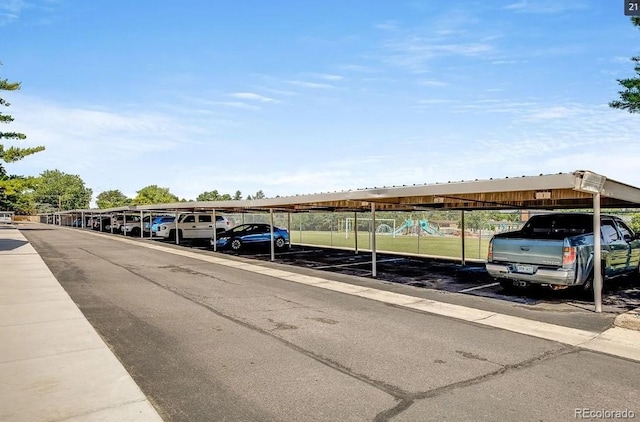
{"points": [[425, 245]]}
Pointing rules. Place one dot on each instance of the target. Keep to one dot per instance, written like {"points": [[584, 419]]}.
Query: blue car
{"points": [[155, 223], [251, 235]]}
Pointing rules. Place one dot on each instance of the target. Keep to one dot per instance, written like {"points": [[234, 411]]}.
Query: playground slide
{"points": [[429, 229], [400, 230]]}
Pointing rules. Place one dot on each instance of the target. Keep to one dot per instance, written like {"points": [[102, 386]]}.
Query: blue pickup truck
{"points": [[556, 250]]}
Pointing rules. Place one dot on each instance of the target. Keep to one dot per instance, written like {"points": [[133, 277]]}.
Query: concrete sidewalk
{"points": [[53, 365]]}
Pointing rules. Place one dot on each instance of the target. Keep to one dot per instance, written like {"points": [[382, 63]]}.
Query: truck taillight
{"points": [[490, 252], [568, 255]]}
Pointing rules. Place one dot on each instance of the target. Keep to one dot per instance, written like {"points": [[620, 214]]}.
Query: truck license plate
{"points": [[523, 268]]}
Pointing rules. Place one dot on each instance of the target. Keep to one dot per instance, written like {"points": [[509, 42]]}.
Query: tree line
{"points": [[154, 194]]}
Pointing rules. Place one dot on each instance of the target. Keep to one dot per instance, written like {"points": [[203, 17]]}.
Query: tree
{"points": [[153, 194], [11, 154], [237, 196], [16, 194], [257, 195], [635, 222], [630, 96], [112, 199], [213, 196], [58, 191]]}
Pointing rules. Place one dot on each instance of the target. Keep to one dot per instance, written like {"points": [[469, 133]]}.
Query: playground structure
{"points": [[382, 228], [388, 227], [418, 227]]}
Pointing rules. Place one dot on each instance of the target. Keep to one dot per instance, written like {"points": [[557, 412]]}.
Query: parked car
{"points": [[105, 225], [193, 226], [119, 220], [94, 222], [158, 220], [133, 228], [251, 235], [556, 250]]}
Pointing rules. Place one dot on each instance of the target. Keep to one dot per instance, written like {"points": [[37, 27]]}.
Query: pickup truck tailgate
{"points": [[541, 252]]}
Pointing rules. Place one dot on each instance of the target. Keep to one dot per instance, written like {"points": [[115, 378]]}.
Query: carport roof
{"points": [[553, 191]]}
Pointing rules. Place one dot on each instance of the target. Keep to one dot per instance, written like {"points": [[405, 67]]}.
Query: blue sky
{"points": [[296, 97]]}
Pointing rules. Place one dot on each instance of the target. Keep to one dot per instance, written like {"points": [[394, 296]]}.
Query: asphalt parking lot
{"points": [[619, 295], [208, 338]]}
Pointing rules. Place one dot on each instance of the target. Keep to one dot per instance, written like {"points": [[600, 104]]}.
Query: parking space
{"points": [[619, 295]]}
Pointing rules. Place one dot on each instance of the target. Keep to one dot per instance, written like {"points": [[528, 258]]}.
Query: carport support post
{"points": [[289, 227], [100, 217], [597, 255], [82, 219], [142, 224], [462, 237], [374, 269], [273, 251], [331, 230], [215, 230], [124, 223], [355, 230], [111, 221], [177, 235]]}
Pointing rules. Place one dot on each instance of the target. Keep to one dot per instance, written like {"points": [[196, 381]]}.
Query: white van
{"points": [[197, 225]]}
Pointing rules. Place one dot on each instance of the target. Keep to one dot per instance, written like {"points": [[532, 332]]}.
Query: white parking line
{"points": [[356, 263], [614, 341], [484, 286]]}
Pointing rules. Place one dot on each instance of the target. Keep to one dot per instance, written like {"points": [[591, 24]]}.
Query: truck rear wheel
{"points": [[587, 287]]}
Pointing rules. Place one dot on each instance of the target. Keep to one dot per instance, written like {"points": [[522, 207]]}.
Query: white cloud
{"points": [[10, 10], [550, 113], [358, 68], [92, 142], [327, 76], [387, 26], [236, 104], [414, 51], [13, 10], [253, 97], [545, 6], [432, 82], [313, 85]]}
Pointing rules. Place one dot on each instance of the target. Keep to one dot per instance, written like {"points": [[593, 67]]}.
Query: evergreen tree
{"points": [[630, 95], [12, 153]]}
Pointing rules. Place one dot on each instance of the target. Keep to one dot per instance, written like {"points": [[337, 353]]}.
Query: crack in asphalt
{"points": [[407, 401], [378, 384]]}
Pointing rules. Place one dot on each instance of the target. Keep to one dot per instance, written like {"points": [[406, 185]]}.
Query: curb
{"points": [[629, 320]]}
